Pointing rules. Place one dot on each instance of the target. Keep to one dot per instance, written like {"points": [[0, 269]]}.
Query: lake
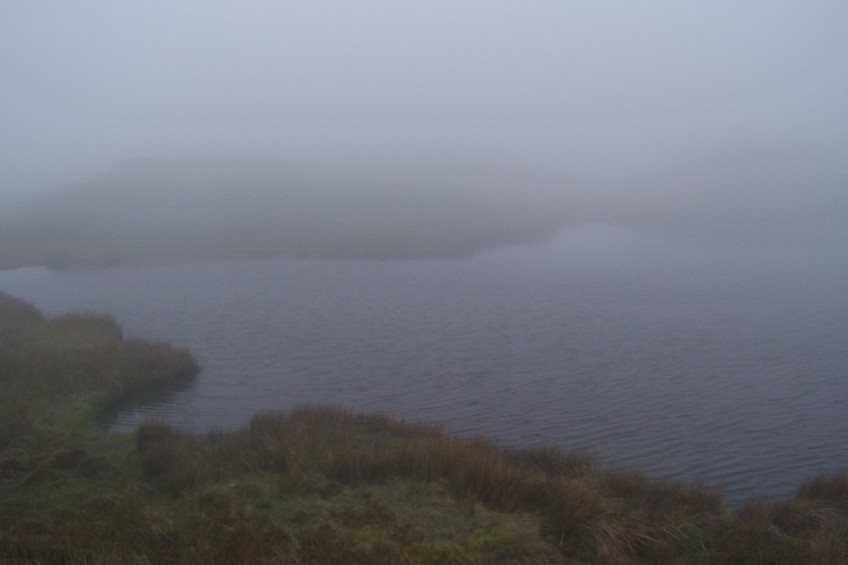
{"points": [[724, 365]]}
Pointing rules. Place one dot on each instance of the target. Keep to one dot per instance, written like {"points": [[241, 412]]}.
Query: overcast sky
{"points": [[601, 89]]}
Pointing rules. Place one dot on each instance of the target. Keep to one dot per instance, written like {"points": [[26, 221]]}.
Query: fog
{"points": [[382, 129]]}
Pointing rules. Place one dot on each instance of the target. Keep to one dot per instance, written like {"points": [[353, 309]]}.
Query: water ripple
{"points": [[740, 382]]}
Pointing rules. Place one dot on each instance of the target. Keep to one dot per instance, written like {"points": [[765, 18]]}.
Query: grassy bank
{"points": [[324, 485]]}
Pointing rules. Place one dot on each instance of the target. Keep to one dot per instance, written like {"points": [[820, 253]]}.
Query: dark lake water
{"points": [[729, 366]]}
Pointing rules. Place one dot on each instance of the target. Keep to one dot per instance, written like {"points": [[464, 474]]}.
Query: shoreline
{"points": [[323, 484]]}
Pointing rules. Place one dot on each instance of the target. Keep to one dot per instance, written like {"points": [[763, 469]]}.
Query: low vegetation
{"points": [[324, 485]]}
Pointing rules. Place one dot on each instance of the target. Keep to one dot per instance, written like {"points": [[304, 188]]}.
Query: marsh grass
{"points": [[326, 485]]}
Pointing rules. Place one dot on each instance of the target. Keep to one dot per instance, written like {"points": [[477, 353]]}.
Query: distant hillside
{"points": [[172, 209], [743, 194]]}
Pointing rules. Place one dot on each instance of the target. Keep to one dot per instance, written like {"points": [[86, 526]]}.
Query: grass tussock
{"points": [[326, 485]]}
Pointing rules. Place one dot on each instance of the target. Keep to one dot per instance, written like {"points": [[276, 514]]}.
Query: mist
{"points": [[380, 130]]}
